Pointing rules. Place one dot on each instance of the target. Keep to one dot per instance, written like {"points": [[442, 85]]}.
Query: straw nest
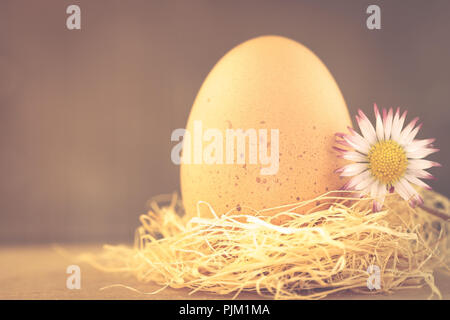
{"points": [[338, 245]]}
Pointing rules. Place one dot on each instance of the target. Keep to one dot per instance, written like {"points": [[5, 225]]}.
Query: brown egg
{"points": [[266, 84]]}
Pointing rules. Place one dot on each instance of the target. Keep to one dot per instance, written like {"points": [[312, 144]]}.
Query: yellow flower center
{"points": [[387, 161]]}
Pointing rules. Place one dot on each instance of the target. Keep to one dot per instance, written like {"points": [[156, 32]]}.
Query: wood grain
{"points": [[39, 272]]}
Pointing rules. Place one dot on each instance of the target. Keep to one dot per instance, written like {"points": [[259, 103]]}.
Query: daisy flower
{"points": [[386, 158]]}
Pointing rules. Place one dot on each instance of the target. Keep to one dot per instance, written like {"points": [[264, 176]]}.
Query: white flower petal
{"points": [[354, 156], [407, 192], [387, 123], [408, 139], [381, 190], [396, 126], [421, 153], [417, 144], [357, 179], [399, 128], [414, 195], [352, 169], [406, 131], [355, 143], [379, 200], [422, 164], [419, 173], [366, 127], [379, 124], [357, 138], [401, 190], [365, 183], [416, 181], [374, 189]]}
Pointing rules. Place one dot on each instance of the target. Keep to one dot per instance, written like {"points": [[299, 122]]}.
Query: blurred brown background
{"points": [[86, 116]]}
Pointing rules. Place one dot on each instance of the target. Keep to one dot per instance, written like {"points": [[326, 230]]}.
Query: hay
{"points": [[309, 256]]}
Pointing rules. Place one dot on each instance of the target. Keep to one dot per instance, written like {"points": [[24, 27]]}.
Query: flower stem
{"points": [[437, 213]]}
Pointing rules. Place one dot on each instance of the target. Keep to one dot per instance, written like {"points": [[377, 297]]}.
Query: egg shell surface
{"points": [[269, 82]]}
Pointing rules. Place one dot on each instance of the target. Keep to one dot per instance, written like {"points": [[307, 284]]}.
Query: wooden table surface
{"points": [[39, 272]]}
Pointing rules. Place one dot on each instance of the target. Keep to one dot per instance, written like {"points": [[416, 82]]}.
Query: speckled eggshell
{"points": [[269, 82]]}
